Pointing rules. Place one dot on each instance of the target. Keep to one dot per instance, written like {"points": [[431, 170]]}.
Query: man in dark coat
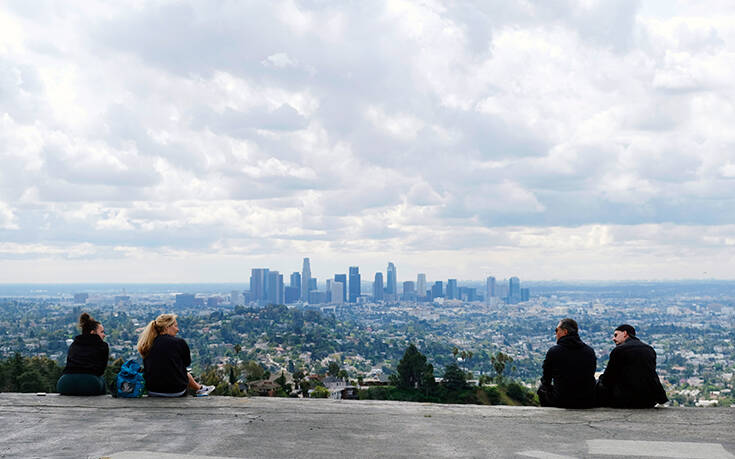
{"points": [[630, 379], [568, 379]]}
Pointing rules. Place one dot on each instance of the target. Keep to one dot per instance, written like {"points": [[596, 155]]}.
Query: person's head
{"points": [[89, 326], [566, 327], [622, 333], [165, 324]]}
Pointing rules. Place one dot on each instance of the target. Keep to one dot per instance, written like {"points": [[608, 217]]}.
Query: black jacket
{"points": [[630, 379], [87, 354], [568, 379], [165, 366]]}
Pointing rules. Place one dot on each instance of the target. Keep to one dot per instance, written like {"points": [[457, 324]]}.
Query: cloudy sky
{"points": [[191, 141]]}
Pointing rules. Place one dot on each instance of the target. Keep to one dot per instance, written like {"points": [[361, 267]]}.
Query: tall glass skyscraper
{"points": [[342, 278], [421, 285], [514, 290], [259, 284], [354, 284], [452, 291], [274, 292], [305, 280], [392, 287], [296, 283], [490, 288], [378, 288]]}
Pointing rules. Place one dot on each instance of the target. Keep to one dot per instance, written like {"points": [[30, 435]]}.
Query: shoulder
{"points": [[172, 340], [555, 349]]}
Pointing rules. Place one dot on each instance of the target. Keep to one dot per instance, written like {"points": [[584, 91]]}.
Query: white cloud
{"points": [[583, 133]]}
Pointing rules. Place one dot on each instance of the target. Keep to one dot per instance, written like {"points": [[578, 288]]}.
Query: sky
{"points": [[192, 141]]}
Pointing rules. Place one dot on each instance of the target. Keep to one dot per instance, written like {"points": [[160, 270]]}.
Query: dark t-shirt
{"points": [[165, 366], [87, 354]]}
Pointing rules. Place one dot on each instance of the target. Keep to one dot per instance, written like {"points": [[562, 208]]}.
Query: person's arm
{"points": [[610, 376], [103, 356], [547, 375], [186, 353]]}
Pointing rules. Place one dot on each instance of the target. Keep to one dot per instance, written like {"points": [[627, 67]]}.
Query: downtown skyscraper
{"points": [[421, 285], [378, 289], [305, 280], [354, 284], [391, 287]]}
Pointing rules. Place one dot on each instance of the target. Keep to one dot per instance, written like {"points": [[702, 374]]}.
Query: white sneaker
{"points": [[204, 391]]}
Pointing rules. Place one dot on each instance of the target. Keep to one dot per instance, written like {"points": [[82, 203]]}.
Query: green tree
{"points": [[232, 375], [333, 369], [281, 380], [413, 371], [253, 371], [500, 361], [320, 392], [454, 378]]}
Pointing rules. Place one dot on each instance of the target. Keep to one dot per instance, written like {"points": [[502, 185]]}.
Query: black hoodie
{"points": [[569, 373], [87, 354]]}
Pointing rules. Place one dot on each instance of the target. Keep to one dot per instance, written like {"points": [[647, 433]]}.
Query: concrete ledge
{"points": [[58, 426]]}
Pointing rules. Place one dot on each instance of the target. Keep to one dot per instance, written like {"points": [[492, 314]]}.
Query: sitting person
{"points": [[86, 360], [568, 379], [165, 358], [630, 379]]}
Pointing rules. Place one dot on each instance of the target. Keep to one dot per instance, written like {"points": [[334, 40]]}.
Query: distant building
{"points": [[342, 278], [305, 280], [514, 290], [409, 291], [259, 285], [184, 300], [468, 294], [296, 284], [81, 298], [317, 297], [378, 288], [421, 285], [490, 289], [437, 290], [236, 298], [291, 294], [338, 290], [392, 281], [354, 284], [525, 294], [313, 284], [275, 288], [452, 291], [122, 300], [212, 302]]}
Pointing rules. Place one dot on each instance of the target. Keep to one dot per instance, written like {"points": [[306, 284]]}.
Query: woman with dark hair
{"points": [[165, 358], [86, 360]]}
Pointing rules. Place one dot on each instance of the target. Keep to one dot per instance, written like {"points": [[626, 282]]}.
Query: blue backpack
{"points": [[130, 382]]}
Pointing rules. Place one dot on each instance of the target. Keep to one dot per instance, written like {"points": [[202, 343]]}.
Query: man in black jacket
{"points": [[630, 379], [568, 379]]}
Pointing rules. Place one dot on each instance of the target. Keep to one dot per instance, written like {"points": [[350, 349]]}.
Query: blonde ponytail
{"points": [[151, 332]]}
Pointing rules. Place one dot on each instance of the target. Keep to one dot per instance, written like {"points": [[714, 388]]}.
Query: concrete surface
{"points": [[58, 426]]}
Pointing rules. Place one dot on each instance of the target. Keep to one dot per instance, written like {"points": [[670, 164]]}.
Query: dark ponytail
{"points": [[87, 324]]}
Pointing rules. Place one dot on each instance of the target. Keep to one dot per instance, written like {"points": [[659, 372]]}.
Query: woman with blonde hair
{"points": [[86, 360], [165, 358]]}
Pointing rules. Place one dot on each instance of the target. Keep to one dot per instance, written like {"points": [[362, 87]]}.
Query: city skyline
{"points": [[575, 140], [266, 286]]}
